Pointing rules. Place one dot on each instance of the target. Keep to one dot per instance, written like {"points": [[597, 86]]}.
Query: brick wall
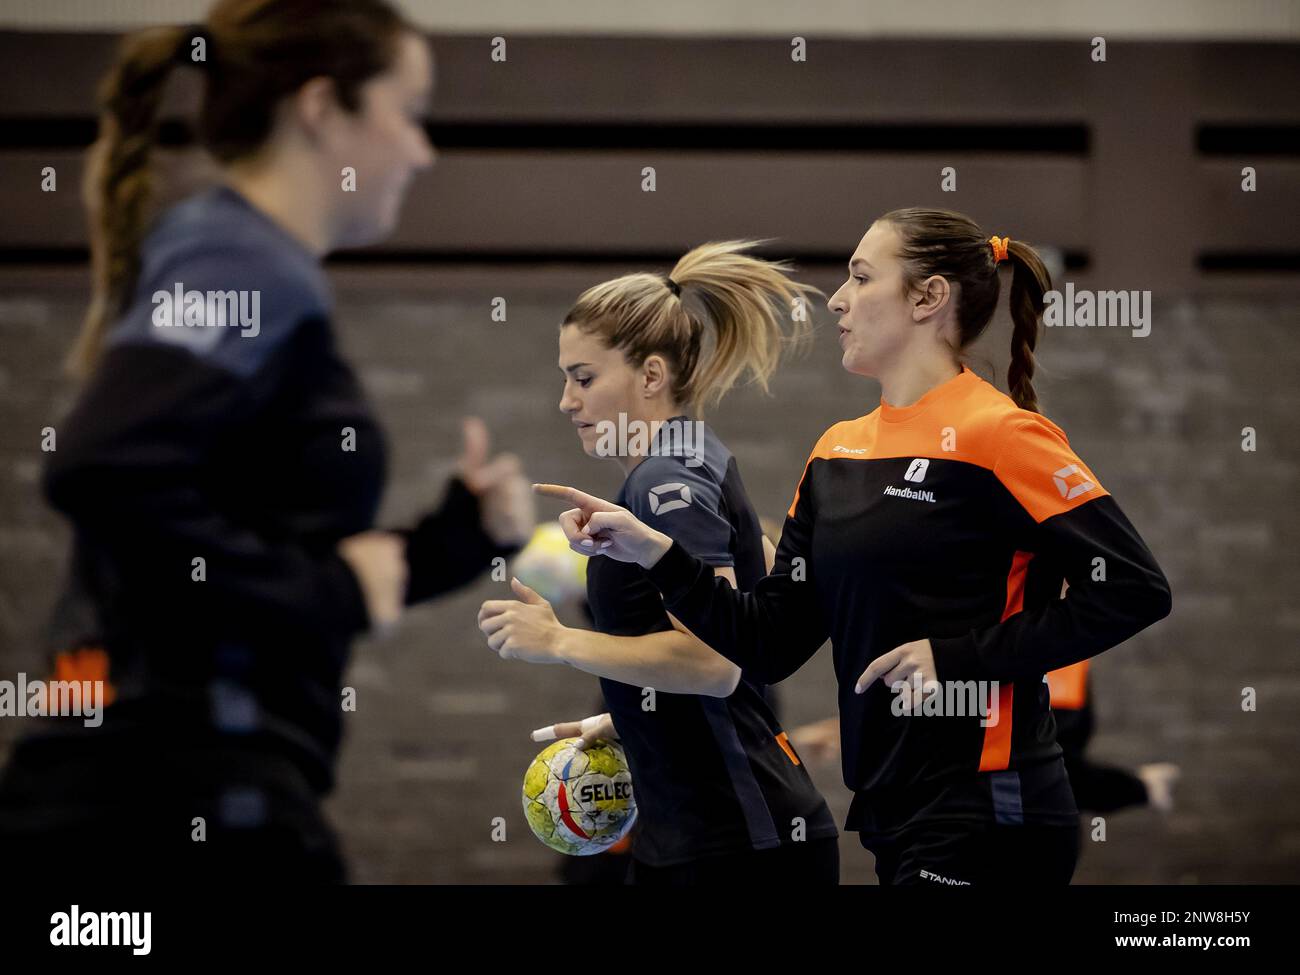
{"points": [[439, 742]]}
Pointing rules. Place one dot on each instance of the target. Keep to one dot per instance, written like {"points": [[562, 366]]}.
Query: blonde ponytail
{"points": [[753, 314]]}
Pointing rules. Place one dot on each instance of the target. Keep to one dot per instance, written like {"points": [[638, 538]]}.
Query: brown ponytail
{"points": [[119, 180], [258, 52], [1029, 283], [746, 301], [952, 245]]}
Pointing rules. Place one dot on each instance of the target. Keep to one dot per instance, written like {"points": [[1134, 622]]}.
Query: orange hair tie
{"points": [[999, 248]]}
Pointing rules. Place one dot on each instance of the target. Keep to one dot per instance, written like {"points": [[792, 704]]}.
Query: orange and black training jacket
{"points": [[955, 519]]}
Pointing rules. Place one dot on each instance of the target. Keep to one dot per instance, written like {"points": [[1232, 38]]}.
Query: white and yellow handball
{"points": [[579, 802], [549, 567]]}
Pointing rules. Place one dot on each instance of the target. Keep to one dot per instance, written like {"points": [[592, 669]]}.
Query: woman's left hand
{"points": [[901, 664], [523, 628]]}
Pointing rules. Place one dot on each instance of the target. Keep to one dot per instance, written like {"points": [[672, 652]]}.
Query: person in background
{"points": [[222, 468]]}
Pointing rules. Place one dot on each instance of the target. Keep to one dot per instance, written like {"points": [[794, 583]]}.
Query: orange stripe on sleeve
{"points": [[1069, 686], [996, 753], [784, 741]]}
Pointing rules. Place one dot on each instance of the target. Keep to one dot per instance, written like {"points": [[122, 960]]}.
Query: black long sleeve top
{"points": [[211, 465], [955, 520]]}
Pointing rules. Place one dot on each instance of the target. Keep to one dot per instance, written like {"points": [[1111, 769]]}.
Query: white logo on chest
{"points": [[916, 474]]}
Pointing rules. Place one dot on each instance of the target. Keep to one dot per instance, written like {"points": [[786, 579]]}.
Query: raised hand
{"points": [[506, 505], [596, 527]]}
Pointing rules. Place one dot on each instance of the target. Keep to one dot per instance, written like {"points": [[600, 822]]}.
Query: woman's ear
{"points": [[314, 104], [930, 298], [654, 375]]}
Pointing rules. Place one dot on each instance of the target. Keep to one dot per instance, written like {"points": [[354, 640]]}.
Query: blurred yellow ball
{"points": [[547, 565]]}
